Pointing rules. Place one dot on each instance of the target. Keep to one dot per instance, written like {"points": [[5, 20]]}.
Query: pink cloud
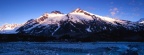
{"points": [[114, 11]]}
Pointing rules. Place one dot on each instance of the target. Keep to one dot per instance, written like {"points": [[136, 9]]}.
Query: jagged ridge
{"points": [[80, 24], [74, 23]]}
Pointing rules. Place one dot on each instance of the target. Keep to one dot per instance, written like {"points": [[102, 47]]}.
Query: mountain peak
{"points": [[56, 12], [78, 10]]}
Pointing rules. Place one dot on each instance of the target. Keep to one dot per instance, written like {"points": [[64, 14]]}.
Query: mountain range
{"points": [[78, 25]]}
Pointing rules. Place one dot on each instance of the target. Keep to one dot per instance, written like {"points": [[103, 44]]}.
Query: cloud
{"points": [[114, 11]]}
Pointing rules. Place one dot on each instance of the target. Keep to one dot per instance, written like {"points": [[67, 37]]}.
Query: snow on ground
{"points": [[65, 48]]}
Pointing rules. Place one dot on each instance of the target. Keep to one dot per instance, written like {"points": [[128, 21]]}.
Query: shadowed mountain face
{"points": [[81, 24]]}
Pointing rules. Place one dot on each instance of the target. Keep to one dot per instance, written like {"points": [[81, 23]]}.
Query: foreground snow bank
{"points": [[64, 48]]}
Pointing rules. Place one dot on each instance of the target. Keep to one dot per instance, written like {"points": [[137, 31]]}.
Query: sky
{"points": [[19, 11]]}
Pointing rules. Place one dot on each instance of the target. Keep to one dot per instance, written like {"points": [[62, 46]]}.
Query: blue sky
{"points": [[19, 11]]}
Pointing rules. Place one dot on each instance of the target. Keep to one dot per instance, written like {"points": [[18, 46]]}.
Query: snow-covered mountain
{"points": [[9, 28], [77, 22], [78, 25]]}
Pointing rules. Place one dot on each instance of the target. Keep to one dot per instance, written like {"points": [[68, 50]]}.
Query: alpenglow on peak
{"points": [[78, 10]]}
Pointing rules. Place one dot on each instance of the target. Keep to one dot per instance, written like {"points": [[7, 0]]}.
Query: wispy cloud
{"points": [[114, 11]]}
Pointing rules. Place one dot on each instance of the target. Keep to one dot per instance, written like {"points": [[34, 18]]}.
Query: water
{"points": [[65, 48]]}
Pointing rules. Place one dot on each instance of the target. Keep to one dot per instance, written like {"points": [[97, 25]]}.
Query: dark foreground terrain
{"points": [[68, 38]]}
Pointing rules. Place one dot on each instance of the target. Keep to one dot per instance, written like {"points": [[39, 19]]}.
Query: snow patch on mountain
{"points": [[56, 29], [31, 27], [141, 22], [88, 29], [73, 25]]}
